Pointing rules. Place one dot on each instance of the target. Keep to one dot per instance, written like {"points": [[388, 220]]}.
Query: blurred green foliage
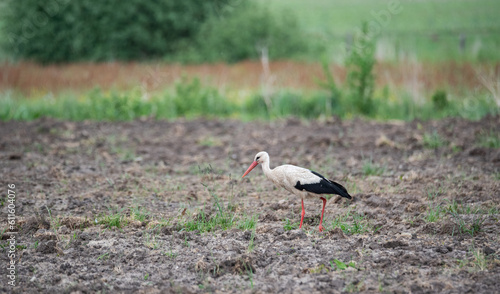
{"points": [[189, 30], [424, 30], [192, 99], [198, 31], [247, 31], [189, 98], [329, 85], [440, 100], [360, 83], [72, 30], [360, 76]]}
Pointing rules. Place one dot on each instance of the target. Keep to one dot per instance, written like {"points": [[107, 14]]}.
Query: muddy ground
{"points": [[109, 207]]}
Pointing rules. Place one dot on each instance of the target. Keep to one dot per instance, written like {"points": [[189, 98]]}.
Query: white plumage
{"points": [[299, 181]]}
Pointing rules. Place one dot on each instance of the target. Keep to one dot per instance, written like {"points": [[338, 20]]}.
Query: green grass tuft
{"points": [[223, 217], [433, 192], [339, 265], [289, 225], [433, 140], [248, 222], [140, 214], [469, 225], [222, 220], [103, 256], [352, 223], [117, 220], [433, 214], [490, 140], [372, 169]]}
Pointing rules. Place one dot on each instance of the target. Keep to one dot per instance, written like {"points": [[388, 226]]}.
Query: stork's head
{"points": [[261, 157]]}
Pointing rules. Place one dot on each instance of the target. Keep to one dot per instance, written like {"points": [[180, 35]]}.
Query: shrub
{"points": [[243, 33], [193, 99], [439, 100], [360, 77], [330, 85]]}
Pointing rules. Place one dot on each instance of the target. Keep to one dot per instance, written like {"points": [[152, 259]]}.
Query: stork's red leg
{"points": [[322, 211], [302, 214]]}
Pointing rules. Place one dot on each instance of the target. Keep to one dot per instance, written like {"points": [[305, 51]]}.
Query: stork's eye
{"points": [[258, 157]]}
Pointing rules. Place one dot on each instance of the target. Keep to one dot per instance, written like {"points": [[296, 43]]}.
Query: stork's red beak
{"points": [[254, 164]]}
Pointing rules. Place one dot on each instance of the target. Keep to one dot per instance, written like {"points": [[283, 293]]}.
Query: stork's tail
{"points": [[340, 190]]}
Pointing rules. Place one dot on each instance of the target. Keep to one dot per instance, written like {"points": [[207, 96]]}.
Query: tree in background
{"points": [[189, 30], [73, 30]]}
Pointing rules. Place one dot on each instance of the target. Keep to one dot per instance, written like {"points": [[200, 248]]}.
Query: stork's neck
{"points": [[265, 168]]}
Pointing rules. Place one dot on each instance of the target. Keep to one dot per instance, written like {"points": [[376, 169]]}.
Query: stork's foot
{"points": [[321, 228]]}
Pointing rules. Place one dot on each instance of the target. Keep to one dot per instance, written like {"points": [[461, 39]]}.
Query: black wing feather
{"points": [[325, 186]]}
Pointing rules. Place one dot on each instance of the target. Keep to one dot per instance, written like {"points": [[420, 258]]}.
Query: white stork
{"points": [[299, 181]]}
